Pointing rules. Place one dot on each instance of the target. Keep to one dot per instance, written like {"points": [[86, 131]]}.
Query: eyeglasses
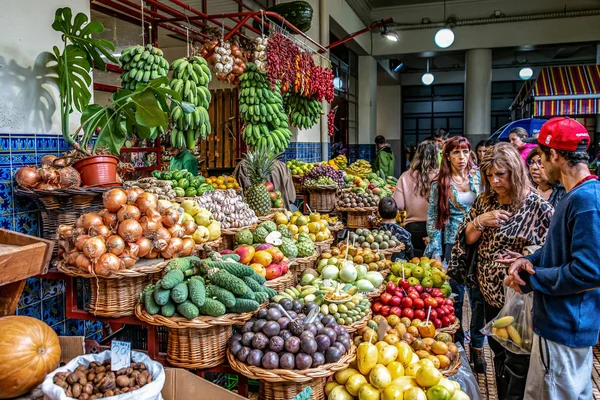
{"points": [[532, 162]]}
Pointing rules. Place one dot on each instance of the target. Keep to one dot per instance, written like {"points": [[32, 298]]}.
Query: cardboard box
{"points": [[181, 384], [71, 347]]}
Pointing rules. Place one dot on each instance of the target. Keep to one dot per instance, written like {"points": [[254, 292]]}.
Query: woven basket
{"points": [[358, 217], [201, 250], [228, 236], [375, 293], [62, 207], [389, 252], [337, 227], [450, 329], [452, 368], [197, 343], [385, 273], [283, 282], [298, 186], [324, 246], [268, 217], [322, 198], [358, 325], [302, 264], [289, 390], [117, 295]]}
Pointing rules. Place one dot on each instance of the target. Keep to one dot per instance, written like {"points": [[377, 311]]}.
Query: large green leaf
{"points": [[73, 76], [148, 113]]}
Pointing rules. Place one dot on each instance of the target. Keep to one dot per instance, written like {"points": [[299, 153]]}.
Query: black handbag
{"points": [[463, 267]]}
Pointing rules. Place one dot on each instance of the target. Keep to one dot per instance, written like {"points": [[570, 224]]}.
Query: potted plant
{"points": [[136, 112]]}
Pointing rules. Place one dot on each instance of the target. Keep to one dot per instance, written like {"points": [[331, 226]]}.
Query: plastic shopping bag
{"points": [[465, 376], [150, 391], [513, 326]]}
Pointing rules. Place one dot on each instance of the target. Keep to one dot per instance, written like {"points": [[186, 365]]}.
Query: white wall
{"points": [[341, 13], [367, 99], [389, 118], [28, 97]]}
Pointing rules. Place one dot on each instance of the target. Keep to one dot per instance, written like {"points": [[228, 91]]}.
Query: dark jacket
{"points": [[404, 237]]}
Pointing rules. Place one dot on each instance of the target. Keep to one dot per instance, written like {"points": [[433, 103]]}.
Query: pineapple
{"points": [[260, 164]]}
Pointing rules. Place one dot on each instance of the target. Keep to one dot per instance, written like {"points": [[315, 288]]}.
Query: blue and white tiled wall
{"points": [[311, 152], [42, 298]]}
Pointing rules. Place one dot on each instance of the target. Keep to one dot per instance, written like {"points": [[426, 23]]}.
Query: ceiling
{"points": [[400, 3]]}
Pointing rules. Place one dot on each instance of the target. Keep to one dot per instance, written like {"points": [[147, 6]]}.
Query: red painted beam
{"points": [[360, 32]]}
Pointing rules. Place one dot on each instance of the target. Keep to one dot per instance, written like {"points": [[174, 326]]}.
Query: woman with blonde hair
{"points": [[507, 216]]}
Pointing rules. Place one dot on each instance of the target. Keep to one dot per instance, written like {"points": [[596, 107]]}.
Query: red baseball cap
{"points": [[562, 133]]}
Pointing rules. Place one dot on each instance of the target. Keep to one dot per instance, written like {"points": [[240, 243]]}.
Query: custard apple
{"points": [[244, 237], [288, 248], [260, 234], [269, 226], [285, 232]]}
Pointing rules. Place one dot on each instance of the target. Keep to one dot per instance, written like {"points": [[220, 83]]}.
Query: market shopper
{"points": [[507, 216], [564, 274], [182, 159], [412, 192], [552, 193], [452, 193], [517, 137], [388, 211], [384, 160], [480, 150]]}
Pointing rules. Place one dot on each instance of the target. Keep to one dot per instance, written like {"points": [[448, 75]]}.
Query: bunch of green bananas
{"points": [[190, 80], [303, 112], [141, 65], [261, 109]]}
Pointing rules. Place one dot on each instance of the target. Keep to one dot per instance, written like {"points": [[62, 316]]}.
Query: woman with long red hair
{"points": [[453, 192]]}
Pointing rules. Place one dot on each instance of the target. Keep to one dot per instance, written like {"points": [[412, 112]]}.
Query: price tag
{"points": [[120, 355]]}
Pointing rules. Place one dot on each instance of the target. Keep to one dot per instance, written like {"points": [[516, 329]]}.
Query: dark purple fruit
{"points": [[311, 328], [286, 304], [276, 344], [317, 359], [292, 344], [319, 325], [270, 360], [285, 334], [308, 345], [273, 314], [328, 319], [236, 337], [345, 341], [332, 355], [340, 346], [258, 325], [303, 361], [271, 328], [260, 341], [292, 314], [242, 355], [261, 314], [283, 322], [235, 347], [247, 327], [296, 306], [330, 332], [255, 358], [287, 361], [323, 342], [307, 334], [309, 306], [247, 338]]}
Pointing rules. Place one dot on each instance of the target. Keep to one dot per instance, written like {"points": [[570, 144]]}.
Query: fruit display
{"points": [[314, 225], [428, 273], [345, 271], [298, 167], [161, 188], [303, 112], [96, 380], [354, 200], [208, 228], [214, 286], [261, 110], [184, 183], [341, 162], [373, 260], [141, 65], [190, 79], [228, 207], [48, 176], [320, 181], [275, 195], [265, 259], [223, 182], [416, 303], [260, 164], [374, 239], [321, 170], [290, 335], [378, 186], [359, 167]]}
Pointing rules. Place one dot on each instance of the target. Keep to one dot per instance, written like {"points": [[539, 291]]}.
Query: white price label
{"points": [[120, 355]]}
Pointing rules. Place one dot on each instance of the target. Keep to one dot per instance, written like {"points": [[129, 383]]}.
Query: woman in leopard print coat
{"points": [[507, 216]]}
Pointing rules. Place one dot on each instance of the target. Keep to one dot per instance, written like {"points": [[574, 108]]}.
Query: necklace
{"points": [[464, 181]]}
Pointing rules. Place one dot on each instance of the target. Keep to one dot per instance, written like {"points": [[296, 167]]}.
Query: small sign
{"points": [[120, 355]]}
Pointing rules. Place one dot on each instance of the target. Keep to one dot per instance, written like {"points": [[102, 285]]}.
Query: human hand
{"points": [[494, 219], [508, 258], [521, 264], [426, 240], [511, 283]]}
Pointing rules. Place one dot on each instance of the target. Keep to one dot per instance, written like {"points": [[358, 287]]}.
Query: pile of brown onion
{"points": [[52, 174], [132, 225]]}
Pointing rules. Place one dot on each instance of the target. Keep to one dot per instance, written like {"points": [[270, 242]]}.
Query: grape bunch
{"points": [[325, 170]]}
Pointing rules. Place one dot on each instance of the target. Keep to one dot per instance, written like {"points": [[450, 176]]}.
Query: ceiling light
{"points": [[444, 38], [396, 65], [337, 83], [525, 73], [427, 77], [391, 36]]}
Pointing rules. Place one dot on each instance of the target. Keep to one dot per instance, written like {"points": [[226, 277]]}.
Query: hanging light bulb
{"points": [[337, 83], [427, 77], [444, 38], [525, 73]]}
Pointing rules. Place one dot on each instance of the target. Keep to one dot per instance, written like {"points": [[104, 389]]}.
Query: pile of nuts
{"points": [[97, 381]]}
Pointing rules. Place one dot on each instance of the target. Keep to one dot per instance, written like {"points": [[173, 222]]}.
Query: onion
{"points": [[153, 215], [46, 186], [90, 219], [114, 199], [128, 212], [115, 244], [145, 201], [176, 231], [47, 160], [189, 227], [153, 254], [49, 175], [187, 247], [109, 218], [100, 230], [94, 247], [69, 177], [129, 256], [173, 248], [83, 263], [133, 193], [72, 257], [131, 250], [163, 205], [27, 177], [60, 162], [80, 241], [130, 230], [145, 245], [65, 231], [107, 264], [170, 217]]}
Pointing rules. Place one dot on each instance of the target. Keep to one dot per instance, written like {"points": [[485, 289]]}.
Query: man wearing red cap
{"points": [[565, 273]]}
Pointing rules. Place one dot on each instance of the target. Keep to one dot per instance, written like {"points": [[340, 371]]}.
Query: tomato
{"points": [[385, 298], [385, 311], [395, 301], [377, 307], [408, 313], [391, 287], [396, 311]]}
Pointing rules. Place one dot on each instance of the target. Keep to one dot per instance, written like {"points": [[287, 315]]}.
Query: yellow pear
{"points": [[428, 376], [366, 357], [415, 393], [380, 377], [405, 353], [354, 383], [368, 392], [340, 393], [387, 354], [412, 369], [392, 392], [396, 369], [342, 376], [405, 382], [329, 387]]}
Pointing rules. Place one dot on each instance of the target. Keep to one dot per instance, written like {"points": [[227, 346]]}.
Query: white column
{"points": [[389, 118], [478, 94], [324, 34], [367, 99]]}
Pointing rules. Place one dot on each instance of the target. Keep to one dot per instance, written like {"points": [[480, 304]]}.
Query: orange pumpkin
{"points": [[29, 350]]}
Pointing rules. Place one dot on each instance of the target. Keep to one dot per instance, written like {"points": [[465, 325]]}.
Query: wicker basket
{"points": [[117, 295], [375, 293], [450, 329], [358, 217], [322, 198], [62, 207], [268, 217], [298, 186], [358, 325], [289, 390], [302, 264], [201, 250], [389, 252], [283, 282], [337, 227], [452, 368], [228, 236], [385, 273], [198, 343], [324, 246]]}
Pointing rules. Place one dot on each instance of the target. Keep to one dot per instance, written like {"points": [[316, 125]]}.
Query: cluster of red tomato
{"points": [[415, 302], [331, 122]]}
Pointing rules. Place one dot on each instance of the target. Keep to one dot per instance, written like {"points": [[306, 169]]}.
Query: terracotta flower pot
{"points": [[98, 171]]}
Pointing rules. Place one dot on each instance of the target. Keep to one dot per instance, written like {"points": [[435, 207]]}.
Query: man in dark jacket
{"points": [[384, 160]]}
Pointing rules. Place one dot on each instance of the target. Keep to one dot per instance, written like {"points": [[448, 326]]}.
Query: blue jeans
{"points": [[477, 313]]}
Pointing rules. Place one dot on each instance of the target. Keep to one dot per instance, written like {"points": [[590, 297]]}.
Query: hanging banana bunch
{"points": [[303, 112], [261, 109], [141, 65], [190, 79]]}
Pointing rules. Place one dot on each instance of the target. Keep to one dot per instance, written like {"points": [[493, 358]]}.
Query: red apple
{"points": [[437, 323], [270, 186], [452, 318], [418, 304], [408, 313], [385, 311], [437, 292], [428, 289], [407, 302], [413, 295], [440, 312], [273, 271], [411, 289], [246, 253], [263, 246], [226, 251], [377, 307], [448, 302], [385, 298], [395, 301], [439, 299], [399, 293], [396, 311], [450, 309], [404, 283], [425, 295], [419, 288], [391, 288], [445, 321], [430, 302], [432, 314], [273, 196], [420, 314]]}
